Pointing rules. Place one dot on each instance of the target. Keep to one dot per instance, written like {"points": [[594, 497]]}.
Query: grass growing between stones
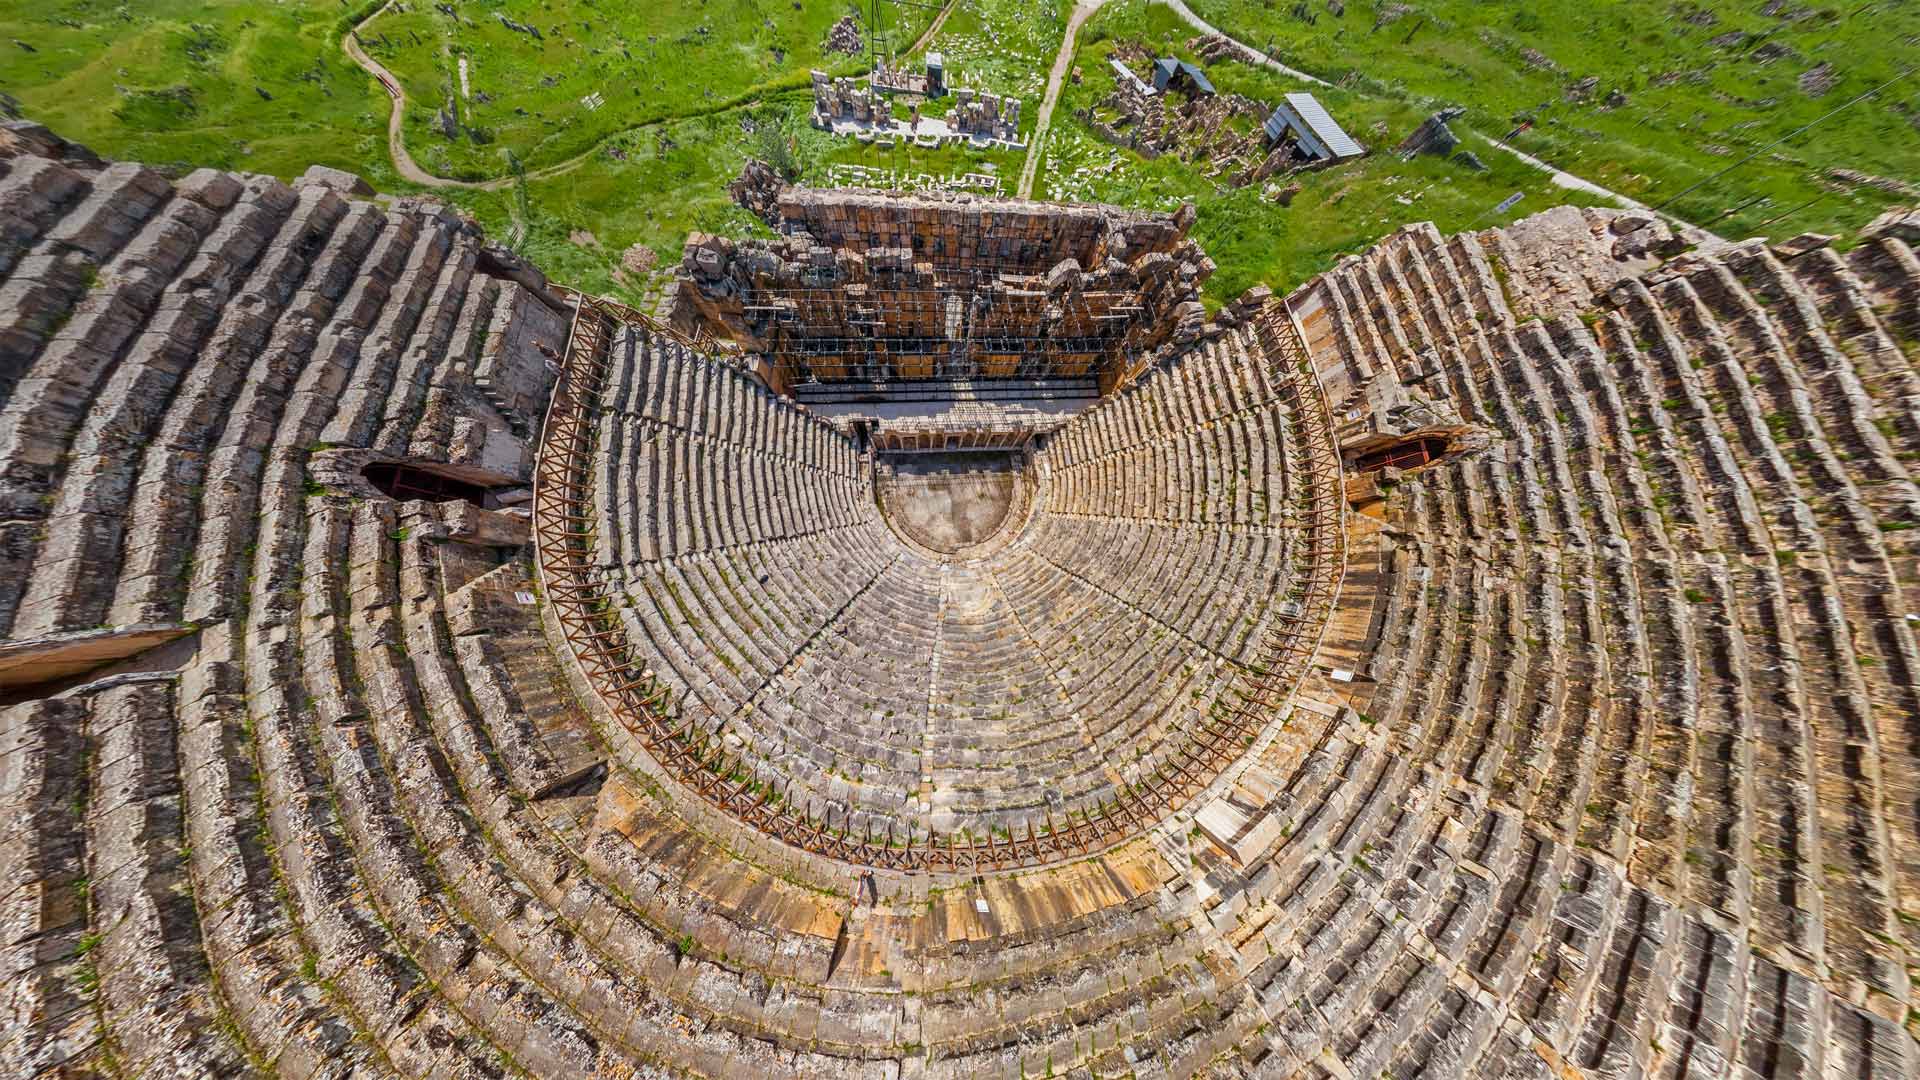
{"points": [[1680, 90], [687, 88], [654, 185], [1004, 47]]}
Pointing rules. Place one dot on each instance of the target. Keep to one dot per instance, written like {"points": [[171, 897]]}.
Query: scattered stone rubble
{"points": [[850, 174], [757, 190], [1900, 223], [1817, 80], [849, 106], [639, 259], [1434, 137], [837, 98], [901, 80], [1600, 768], [1561, 258], [844, 37], [1855, 178], [1200, 130], [984, 114]]}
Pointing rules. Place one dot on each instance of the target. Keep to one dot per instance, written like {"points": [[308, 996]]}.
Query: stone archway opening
{"points": [[1405, 454], [402, 482]]}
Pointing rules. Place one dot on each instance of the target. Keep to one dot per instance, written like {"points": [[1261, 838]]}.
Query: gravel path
{"points": [[1062, 61]]}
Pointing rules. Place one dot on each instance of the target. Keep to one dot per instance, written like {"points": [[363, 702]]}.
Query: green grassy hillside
{"points": [[1252, 237], [648, 62], [1646, 97], [231, 83], [688, 90]]}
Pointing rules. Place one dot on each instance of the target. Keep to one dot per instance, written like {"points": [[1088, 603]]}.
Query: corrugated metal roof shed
{"points": [[1166, 67], [1313, 126]]}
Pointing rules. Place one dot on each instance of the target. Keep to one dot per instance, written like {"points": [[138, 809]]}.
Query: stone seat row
{"points": [[1221, 474], [1683, 410], [1210, 586], [1218, 379], [662, 496], [658, 379], [876, 660], [1503, 915], [863, 746], [163, 339]]}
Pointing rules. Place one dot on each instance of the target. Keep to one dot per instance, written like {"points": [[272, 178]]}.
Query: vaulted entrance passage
{"points": [[1407, 454], [950, 502], [402, 482]]}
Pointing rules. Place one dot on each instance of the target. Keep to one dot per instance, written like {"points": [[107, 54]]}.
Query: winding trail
{"points": [[1247, 52], [1563, 178], [1062, 61], [403, 162], [411, 171]]}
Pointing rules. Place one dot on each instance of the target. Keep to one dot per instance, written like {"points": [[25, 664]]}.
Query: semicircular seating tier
{"points": [[1604, 768], [858, 683]]}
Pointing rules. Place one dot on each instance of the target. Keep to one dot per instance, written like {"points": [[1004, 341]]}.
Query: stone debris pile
{"points": [[757, 190], [1221, 133], [844, 37], [838, 98], [987, 115], [866, 111], [844, 174]]}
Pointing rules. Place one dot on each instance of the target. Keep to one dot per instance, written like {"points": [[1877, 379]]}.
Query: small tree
{"points": [[778, 141]]}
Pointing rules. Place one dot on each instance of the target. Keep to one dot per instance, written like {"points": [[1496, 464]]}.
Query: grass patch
{"points": [[1338, 211], [242, 84], [648, 62], [1680, 91]]}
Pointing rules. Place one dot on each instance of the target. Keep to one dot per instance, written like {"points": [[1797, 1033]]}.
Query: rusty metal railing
{"points": [[1316, 586], [587, 610]]}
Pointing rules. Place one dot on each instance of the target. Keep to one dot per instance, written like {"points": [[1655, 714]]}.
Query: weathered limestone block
{"points": [[521, 354], [338, 180], [1902, 222]]}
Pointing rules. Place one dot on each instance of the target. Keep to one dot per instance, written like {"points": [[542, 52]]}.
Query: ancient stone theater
{"points": [[936, 643]]}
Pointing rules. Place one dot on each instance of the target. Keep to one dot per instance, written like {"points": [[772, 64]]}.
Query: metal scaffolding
{"points": [[964, 325]]}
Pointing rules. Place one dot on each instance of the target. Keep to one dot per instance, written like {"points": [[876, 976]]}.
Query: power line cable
{"points": [[1836, 110]]}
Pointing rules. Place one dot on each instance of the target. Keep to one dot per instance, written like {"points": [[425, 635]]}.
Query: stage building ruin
{"points": [[867, 293]]}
